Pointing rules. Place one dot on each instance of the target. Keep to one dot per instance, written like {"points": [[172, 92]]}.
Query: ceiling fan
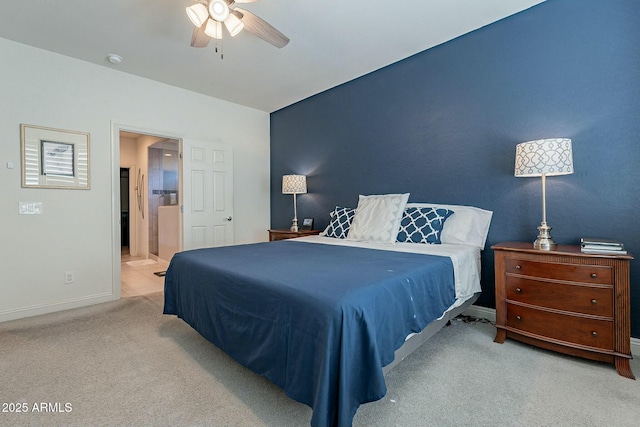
{"points": [[209, 15]]}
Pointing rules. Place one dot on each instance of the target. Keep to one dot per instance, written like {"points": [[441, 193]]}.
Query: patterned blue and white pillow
{"points": [[341, 219], [422, 225]]}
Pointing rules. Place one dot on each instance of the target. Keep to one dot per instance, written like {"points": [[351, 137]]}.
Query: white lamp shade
{"points": [[213, 29], [547, 157], [294, 184], [198, 14], [233, 24]]}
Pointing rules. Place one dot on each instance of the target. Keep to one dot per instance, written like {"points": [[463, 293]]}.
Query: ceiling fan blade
{"points": [[261, 28], [246, 1], [199, 38]]}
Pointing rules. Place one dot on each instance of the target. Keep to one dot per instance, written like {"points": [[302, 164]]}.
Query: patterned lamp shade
{"points": [[294, 184], [544, 157]]}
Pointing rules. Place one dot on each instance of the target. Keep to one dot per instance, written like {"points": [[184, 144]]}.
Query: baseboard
{"points": [[38, 309], [490, 314], [481, 312], [635, 346]]}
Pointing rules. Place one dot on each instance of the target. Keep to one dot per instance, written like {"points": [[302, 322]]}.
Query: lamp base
{"points": [[294, 227], [544, 241]]}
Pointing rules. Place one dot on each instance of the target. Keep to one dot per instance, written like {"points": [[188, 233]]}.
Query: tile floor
{"points": [[137, 276]]}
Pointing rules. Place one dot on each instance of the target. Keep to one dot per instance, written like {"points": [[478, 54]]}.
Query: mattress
{"points": [[465, 259], [319, 317]]}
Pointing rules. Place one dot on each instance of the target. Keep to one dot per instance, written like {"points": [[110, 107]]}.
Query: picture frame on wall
{"points": [[54, 158]]}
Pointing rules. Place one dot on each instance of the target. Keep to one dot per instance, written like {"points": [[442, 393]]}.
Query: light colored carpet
{"points": [[123, 363]]}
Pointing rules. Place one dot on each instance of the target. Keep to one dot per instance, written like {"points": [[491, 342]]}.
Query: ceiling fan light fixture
{"points": [[234, 25], [198, 14], [219, 10], [234, 19], [213, 29]]}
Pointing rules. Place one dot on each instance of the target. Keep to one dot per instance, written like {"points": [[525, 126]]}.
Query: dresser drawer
{"points": [[597, 301], [595, 274], [571, 329]]}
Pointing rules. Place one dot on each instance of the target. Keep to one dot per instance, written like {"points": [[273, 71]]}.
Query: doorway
{"points": [[144, 187]]}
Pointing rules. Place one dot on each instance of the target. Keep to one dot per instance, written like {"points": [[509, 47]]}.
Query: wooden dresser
{"points": [[565, 300], [288, 234]]}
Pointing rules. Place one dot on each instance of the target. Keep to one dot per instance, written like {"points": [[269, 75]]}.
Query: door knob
{"points": [[228, 218]]}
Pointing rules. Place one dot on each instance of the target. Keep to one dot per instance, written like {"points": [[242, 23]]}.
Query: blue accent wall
{"points": [[443, 125]]}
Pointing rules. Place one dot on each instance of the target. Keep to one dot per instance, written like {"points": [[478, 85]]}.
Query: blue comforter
{"points": [[319, 321]]}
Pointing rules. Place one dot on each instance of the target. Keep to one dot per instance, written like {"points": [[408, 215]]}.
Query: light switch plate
{"points": [[30, 208]]}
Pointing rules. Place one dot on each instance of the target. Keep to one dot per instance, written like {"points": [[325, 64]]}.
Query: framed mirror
{"points": [[54, 158]]}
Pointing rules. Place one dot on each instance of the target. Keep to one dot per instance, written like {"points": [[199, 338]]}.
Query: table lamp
{"points": [[294, 184], [544, 157]]}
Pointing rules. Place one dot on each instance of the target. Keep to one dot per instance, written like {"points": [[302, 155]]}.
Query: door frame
{"points": [[116, 258]]}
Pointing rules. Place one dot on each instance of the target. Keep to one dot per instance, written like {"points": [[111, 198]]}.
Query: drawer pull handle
{"points": [[594, 333], [518, 290], [594, 301], [594, 275], [518, 318], [518, 267]]}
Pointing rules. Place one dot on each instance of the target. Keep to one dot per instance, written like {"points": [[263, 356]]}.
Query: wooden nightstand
{"points": [[565, 300], [283, 234]]}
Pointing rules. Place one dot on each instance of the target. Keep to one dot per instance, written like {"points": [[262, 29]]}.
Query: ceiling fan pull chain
{"points": [[220, 48]]}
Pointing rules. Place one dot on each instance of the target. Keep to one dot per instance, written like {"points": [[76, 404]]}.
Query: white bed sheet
{"points": [[465, 259]]}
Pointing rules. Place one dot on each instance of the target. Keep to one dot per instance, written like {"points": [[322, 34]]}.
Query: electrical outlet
{"points": [[69, 277]]}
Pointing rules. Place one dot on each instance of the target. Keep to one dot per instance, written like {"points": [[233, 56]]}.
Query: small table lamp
{"points": [[544, 157], [294, 184]]}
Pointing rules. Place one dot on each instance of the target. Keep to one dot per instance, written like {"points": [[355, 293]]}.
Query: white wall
{"points": [[75, 231]]}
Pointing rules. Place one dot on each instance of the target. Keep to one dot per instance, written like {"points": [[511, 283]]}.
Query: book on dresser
{"points": [[601, 246]]}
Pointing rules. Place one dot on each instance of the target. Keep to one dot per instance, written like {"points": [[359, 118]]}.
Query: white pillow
{"points": [[467, 226], [377, 217]]}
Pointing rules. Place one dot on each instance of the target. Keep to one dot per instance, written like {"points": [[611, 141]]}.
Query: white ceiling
{"points": [[332, 41]]}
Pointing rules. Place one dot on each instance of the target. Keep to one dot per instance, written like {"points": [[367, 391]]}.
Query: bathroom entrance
{"points": [[149, 216], [149, 190]]}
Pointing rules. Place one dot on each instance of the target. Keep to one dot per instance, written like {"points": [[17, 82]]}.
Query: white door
{"points": [[207, 195]]}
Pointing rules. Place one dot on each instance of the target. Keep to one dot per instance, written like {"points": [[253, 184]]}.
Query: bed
{"points": [[322, 317]]}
